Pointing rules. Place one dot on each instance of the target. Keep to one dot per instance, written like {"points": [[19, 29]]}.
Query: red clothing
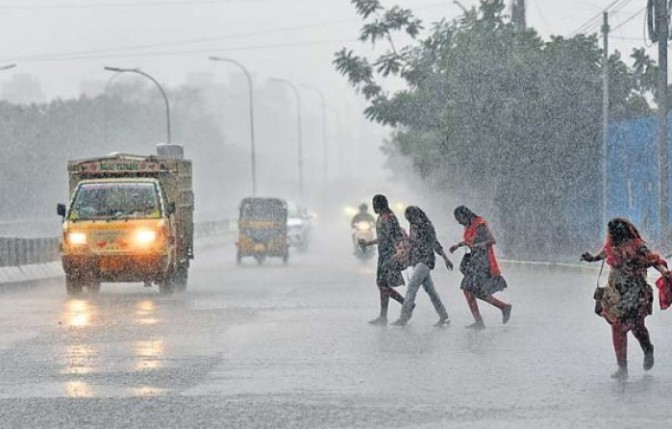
{"points": [[627, 298], [470, 233], [632, 256]]}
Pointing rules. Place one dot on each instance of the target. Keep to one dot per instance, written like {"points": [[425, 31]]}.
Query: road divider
{"points": [[551, 266]]}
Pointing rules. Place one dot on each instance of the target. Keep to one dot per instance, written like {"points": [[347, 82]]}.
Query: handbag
{"points": [[599, 293], [402, 256], [664, 292], [466, 264]]}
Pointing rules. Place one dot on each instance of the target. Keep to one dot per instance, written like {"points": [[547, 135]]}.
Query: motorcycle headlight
{"points": [[145, 237], [76, 238], [362, 226]]}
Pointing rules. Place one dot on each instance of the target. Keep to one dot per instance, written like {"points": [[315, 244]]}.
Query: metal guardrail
{"points": [[215, 228], [21, 251], [16, 251]]}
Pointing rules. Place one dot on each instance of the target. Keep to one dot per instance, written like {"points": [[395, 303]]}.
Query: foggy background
{"points": [[59, 103]]}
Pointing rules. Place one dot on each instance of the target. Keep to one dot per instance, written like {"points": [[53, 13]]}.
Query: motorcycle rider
{"points": [[363, 216], [363, 226]]}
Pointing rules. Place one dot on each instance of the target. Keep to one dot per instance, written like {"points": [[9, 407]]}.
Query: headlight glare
{"points": [[145, 237], [350, 211], [363, 226], [77, 238]]}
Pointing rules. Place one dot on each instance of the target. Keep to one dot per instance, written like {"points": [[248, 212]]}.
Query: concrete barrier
{"points": [[561, 267]]}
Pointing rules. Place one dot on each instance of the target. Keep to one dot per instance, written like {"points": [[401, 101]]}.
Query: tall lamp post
{"points": [[251, 104], [339, 134], [325, 149], [299, 129], [107, 116], [158, 85]]}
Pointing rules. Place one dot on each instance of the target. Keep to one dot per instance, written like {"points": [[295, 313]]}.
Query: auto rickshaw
{"points": [[262, 229]]}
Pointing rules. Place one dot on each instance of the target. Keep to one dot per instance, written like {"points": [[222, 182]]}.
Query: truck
{"points": [[130, 219]]}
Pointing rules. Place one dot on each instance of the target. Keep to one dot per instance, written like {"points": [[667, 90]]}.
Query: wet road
{"points": [[279, 346]]}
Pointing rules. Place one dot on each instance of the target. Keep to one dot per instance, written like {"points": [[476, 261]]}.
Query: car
{"points": [[299, 226]]}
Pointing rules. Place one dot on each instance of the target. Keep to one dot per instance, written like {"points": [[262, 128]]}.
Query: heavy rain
{"points": [[335, 214]]}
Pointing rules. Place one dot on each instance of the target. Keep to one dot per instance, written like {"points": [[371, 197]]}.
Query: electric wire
{"points": [[175, 43], [595, 21], [93, 5], [627, 20], [204, 50], [128, 51]]}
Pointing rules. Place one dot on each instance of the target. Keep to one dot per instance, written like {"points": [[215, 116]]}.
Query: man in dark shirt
{"points": [[388, 274]]}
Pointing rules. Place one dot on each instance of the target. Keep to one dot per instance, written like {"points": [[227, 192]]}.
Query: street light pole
{"points": [[158, 85], [251, 97], [299, 130], [339, 134], [106, 121], [325, 148]]}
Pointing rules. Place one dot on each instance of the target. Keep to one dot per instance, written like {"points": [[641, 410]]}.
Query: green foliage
{"points": [[367, 7], [499, 117]]}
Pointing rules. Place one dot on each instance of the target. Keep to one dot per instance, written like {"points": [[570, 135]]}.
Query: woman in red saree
{"points": [[627, 299], [482, 277]]}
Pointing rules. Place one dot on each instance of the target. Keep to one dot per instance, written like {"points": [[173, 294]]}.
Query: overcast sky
{"points": [[65, 41]]}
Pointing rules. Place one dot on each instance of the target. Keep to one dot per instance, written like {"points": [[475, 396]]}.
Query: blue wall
{"points": [[633, 182]]}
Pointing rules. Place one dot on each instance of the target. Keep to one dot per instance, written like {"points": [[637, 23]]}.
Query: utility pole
{"points": [[662, 23], [604, 164], [518, 14], [658, 21]]}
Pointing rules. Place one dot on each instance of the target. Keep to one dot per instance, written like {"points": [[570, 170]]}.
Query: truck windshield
{"points": [[116, 200]]}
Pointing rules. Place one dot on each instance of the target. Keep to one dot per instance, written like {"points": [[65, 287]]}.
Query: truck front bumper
{"points": [[118, 268]]}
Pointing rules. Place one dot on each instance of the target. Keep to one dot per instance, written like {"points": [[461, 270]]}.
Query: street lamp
{"points": [[251, 97], [299, 128], [158, 85], [7, 67], [107, 109], [324, 131], [339, 134]]}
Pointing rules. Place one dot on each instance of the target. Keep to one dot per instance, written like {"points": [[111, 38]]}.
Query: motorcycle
{"points": [[363, 230]]}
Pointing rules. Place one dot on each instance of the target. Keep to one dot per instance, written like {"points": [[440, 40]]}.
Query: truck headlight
{"points": [[77, 238], [145, 237]]}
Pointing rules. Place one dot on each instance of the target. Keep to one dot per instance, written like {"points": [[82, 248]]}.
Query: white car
{"points": [[299, 226]]}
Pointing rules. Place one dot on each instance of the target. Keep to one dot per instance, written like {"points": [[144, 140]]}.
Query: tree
{"points": [[499, 118]]}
